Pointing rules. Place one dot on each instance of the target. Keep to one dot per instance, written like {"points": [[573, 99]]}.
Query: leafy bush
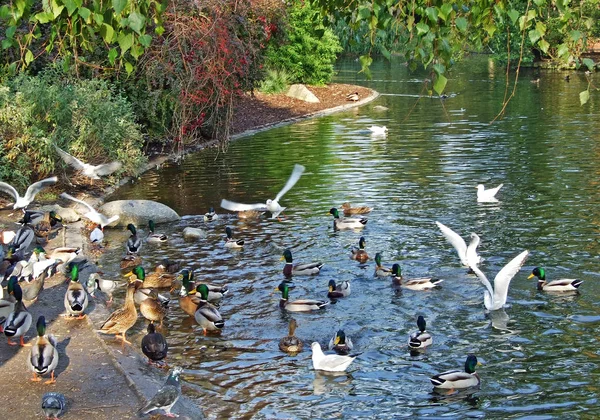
{"points": [[309, 51], [275, 81], [85, 117]]}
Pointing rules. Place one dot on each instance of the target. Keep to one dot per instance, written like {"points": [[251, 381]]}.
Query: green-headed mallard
{"points": [[560, 285], [215, 292], [158, 279], [291, 343], [420, 339], [210, 215], [207, 316], [154, 345], [152, 309], [339, 290], [457, 379], [76, 299], [289, 269], [32, 190], [302, 305], [123, 318], [19, 320], [343, 223], [133, 244], [153, 236], [359, 254], [421, 283], [230, 242], [107, 286], [381, 271], [340, 343], [349, 210], [43, 357], [188, 299], [329, 362]]}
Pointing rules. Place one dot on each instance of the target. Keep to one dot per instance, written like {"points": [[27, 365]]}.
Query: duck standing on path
{"points": [[76, 299], [19, 320], [123, 318], [43, 357]]}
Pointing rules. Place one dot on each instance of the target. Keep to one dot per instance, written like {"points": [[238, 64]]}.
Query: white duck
{"points": [[495, 298], [487, 196], [90, 171], [271, 205], [465, 253], [329, 362], [92, 214], [36, 187]]}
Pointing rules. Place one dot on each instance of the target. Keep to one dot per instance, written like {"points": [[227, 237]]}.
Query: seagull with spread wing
{"points": [[92, 214], [465, 253], [36, 187], [271, 205], [90, 171]]}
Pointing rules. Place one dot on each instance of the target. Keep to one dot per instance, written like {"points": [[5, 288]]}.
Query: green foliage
{"points": [[275, 81], [96, 33], [309, 49], [85, 117]]}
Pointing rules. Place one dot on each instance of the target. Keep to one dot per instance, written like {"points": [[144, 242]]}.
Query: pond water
{"points": [[539, 355]]}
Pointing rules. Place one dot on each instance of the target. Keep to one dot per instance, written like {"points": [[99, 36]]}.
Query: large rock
{"points": [[68, 215], [193, 233], [301, 92], [139, 212]]}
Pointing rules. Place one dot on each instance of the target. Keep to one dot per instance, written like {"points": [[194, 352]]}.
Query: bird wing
{"points": [[230, 205], [504, 276], [335, 361], [70, 159], [492, 191], [36, 187], [70, 197], [294, 177], [107, 168], [456, 241], [471, 253], [9, 189], [482, 278]]}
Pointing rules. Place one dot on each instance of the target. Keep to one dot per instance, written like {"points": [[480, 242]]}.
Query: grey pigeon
{"points": [[167, 396], [53, 404]]}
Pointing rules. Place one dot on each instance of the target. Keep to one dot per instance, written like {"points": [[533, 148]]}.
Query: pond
{"points": [[539, 355]]}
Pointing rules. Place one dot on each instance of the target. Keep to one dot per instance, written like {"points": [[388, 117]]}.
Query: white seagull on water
{"points": [[487, 196]]}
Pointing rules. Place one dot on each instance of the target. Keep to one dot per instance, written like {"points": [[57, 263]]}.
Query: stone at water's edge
{"points": [[193, 233], [301, 92], [68, 215], [139, 212]]}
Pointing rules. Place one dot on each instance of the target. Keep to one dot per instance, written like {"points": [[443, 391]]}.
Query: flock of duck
{"points": [[25, 273]]}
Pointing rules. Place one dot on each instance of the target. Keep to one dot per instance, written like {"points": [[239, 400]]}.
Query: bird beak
{"points": [[128, 274], [282, 258], [530, 276], [337, 339]]}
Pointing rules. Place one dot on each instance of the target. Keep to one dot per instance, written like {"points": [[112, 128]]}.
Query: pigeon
{"points": [[93, 215], [90, 171], [36, 187], [271, 205], [167, 396], [53, 404]]}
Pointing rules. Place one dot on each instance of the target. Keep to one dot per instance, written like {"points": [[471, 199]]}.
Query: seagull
{"points": [[329, 362], [90, 171], [495, 298], [36, 187], [93, 215], [465, 253], [377, 130], [487, 196], [167, 396], [271, 205]]}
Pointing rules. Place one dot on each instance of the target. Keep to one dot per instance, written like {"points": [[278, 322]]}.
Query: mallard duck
{"points": [[133, 244], [32, 190], [169, 266], [343, 223], [152, 309], [215, 292], [43, 357], [495, 298], [210, 215], [340, 290], [487, 196], [22, 240], [155, 237], [76, 299], [7, 303], [289, 269], [456, 379], [188, 300], [154, 345], [560, 285], [97, 235], [230, 242], [41, 222], [90, 171], [329, 362], [158, 279], [271, 205], [92, 214], [107, 286], [206, 315], [465, 253], [291, 343], [302, 305], [123, 318], [352, 97], [130, 260], [381, 271], [359, 254], [349, 210], [422, 283], [340, 343], [19, 320], [420, 339]]}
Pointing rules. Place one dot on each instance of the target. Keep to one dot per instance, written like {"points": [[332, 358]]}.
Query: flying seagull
{"points": [[36, 187], [464, 252], [92, 214], [271, 205], [90, 171]]}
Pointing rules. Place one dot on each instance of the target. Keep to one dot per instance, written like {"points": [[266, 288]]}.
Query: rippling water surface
{"points": [[539, 355]]}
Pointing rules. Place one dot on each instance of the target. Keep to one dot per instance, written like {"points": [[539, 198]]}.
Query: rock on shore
{"points": [[139, 212]]}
